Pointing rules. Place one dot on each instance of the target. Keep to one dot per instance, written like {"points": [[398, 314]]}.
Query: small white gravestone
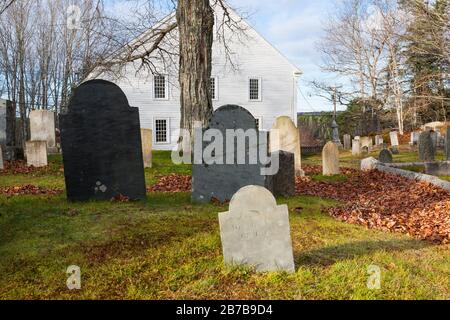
{"points": [[393, 135], [36, 152], [1, 159], [42, 128], [366, 142], [378, 140], [285, 136], [356, 147], [368, 164], [330, 159], [255, 231]]}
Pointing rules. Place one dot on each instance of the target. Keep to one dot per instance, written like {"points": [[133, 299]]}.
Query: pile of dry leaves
{"points": [[382, 201], [172, 183], [20, 167], [28, 190]]}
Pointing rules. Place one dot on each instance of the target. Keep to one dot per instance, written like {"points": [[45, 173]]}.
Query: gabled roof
{"points": [[166, 21]]}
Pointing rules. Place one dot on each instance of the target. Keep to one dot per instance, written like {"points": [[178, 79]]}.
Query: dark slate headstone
{"points": [[222, 181], [426, 146], [8, 130], [101, 144], [283, 183], [385, 156], [447, 144]]}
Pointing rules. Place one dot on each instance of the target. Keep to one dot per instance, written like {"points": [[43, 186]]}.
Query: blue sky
{"points": [[294, 27]]}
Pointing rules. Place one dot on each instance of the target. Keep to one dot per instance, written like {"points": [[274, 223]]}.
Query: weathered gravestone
{"points": [[393, 135], [426, 147], [385, 156], [414, 138], [255, 231], [8, 130], [434, 138], [36, 153], [347, 142], [222, 175], [378, 140], [368, 164], [283, 183], [101, 144], [366, 143], [285, 136], [335, 133], [356, 147], [330, 159], [42, 128], [146, 139], [447, 144]]}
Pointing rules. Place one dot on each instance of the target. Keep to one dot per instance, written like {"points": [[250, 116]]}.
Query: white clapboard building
{"points": [[252, 73]]}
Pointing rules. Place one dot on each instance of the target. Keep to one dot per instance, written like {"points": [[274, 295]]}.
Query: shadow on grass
{"points": [[330, 255]]}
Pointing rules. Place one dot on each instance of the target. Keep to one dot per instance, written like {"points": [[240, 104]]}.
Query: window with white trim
{"points": [[160, 87], [254, 89], [162, 130], [214, 88]]}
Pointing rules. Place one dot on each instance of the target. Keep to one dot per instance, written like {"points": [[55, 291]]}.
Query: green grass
{"points": [[168, 248], [333, 178]]}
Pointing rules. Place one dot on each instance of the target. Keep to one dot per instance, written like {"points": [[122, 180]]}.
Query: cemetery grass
{"points": [[168, 248]]}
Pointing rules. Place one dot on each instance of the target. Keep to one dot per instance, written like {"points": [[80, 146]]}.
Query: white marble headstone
{"points": [[393, 135], [255, 231], [42, 128]]}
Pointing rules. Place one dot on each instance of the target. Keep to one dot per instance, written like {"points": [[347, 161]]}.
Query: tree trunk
{"points": [[195, 20]]}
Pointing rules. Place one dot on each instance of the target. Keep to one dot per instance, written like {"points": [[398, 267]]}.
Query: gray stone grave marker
{"points": [[222, 180], [426, 147], [255, 231], [347, 142]]}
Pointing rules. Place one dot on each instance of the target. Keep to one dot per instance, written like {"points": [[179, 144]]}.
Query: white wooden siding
{"points": [[255, 57]]}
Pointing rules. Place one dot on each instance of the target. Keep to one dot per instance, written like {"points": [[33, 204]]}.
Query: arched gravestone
{"points": [[255, 231], [330, 159], [101, 144], [222, 181], [385, 156], [426, 147], [285, 136]]}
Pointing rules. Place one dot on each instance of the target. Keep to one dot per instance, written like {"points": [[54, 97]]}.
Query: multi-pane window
{"points": [[161, 131], [255, 89], [160, 87], [213, 88]]}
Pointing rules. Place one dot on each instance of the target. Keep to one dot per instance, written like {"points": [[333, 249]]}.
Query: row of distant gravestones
{"points": [[102, 153]]}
